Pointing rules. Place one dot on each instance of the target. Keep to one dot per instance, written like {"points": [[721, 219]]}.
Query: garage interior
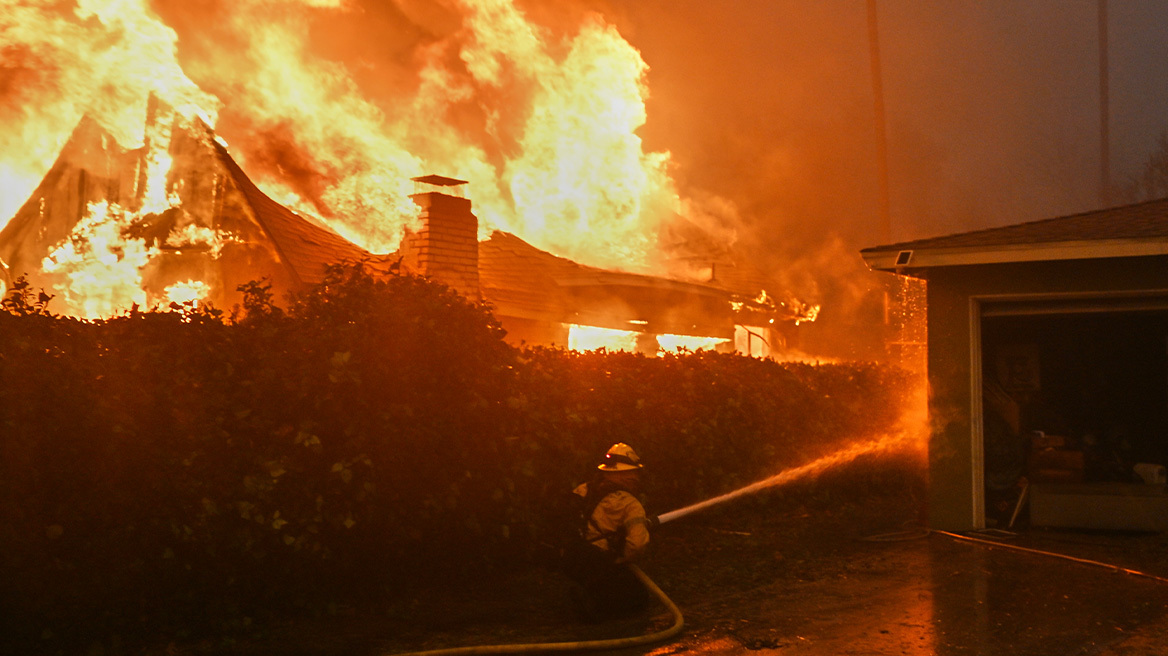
{"points": [[1075, 414]]}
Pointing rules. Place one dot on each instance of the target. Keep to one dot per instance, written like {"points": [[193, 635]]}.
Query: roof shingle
{"points": [[306, 248]]}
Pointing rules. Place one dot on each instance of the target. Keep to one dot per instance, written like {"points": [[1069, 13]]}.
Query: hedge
{"points": [[180, 470]]}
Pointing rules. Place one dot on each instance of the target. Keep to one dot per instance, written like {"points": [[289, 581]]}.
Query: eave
{"points": [[906, 260]]}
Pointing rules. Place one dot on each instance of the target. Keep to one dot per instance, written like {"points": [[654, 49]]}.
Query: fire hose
{"points": [[1081, 561], [917, 533], [583, 645]]}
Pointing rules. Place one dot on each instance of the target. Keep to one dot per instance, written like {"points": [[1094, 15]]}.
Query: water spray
{"points": [[891, 442], [813, 468]]}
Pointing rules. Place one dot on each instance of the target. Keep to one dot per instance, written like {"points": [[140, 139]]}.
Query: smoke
{"points": [[992, 118]]}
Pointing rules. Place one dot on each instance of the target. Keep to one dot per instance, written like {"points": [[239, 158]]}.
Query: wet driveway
{"points": [[939, 595], [803, 580]]}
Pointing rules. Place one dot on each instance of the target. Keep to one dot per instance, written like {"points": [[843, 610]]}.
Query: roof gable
{"points": [[214, 193], [306, 248], [87, 168]]}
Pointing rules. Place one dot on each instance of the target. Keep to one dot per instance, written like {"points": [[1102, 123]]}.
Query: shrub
{"points": [[178, 469]]}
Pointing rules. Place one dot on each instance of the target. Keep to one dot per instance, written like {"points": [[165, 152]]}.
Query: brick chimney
{"points": [[446, 248]]}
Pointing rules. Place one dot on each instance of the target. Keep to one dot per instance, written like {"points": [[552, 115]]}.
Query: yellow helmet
{"points": [[620, 457]]}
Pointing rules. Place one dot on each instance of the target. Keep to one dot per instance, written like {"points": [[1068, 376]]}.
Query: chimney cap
{"points": [[444, 183], [439, 181], [441, 184]]}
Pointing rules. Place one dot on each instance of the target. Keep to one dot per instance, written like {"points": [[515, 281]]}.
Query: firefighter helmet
{"points": [[620, 457]]}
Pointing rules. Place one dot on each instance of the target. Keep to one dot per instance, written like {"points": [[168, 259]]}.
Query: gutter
{"points": [[906, 260]]}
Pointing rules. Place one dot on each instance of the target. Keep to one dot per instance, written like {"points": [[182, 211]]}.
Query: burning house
{"points": [[177, 219]]}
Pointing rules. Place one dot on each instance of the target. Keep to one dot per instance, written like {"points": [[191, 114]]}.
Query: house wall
{"points": [[955, 298]]}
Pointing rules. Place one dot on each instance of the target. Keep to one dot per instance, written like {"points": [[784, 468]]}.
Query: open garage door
{"points": [[1075, 412]]}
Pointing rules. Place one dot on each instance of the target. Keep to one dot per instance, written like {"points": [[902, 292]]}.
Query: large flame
{"points": [[543, 126], [542, 122], [99, 270], [103, 58]]}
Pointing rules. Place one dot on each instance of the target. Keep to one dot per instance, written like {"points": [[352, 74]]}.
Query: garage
{"points": [[1048, 370]]}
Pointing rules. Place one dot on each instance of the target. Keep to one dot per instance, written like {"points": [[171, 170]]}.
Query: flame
{"points": [[190, 292], [99, 270], [543, 124], [63, 60], [157, 197], [323, 146], [591, 338], [194, 235], [673, 343], [810, 313], [600, 184]]}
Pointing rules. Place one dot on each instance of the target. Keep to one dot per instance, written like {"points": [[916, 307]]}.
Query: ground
{"points": [[810, 575]]}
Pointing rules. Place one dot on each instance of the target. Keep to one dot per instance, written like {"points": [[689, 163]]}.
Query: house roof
{"points": [[306, 248], [1125, 231], [82, 173], [523, 281], [516, 275], [518, 278]]}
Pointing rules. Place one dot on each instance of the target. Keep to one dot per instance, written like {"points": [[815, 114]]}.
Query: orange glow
{"points": [[752, 341], [591, 338], [673, 343], [190, 291]]}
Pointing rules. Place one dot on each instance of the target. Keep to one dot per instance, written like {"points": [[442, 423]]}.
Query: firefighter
{"points": [[615, 532]]}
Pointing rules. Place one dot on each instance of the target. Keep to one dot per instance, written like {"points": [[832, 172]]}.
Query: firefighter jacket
{"points": [[618, 524]]}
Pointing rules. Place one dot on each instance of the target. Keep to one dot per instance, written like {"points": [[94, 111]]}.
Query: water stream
{"points": [[845, 455]]}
